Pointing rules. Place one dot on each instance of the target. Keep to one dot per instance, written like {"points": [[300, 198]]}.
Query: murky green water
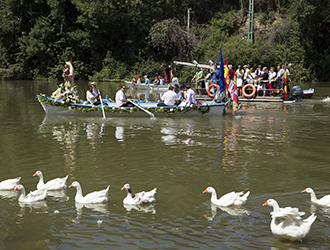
{"points": [[272, 150]]}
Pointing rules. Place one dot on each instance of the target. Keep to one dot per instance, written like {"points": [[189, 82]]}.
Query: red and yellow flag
{"points": [[235, 95], [226, 75], [171, 74], [285, 84]]}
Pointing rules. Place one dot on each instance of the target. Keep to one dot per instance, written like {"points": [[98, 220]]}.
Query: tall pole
{"points": [[251, 25], [188, 22]]}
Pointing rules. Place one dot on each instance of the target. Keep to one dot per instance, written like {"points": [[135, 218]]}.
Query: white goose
{"points": [[286, 222], [324, 201], [94, 197], [229, 199], [139, 198], [36, 195], [9, 184], [55, 184]]}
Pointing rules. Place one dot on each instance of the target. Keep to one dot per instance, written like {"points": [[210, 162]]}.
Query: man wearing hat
{"points": [[95, 92], [146, 80]]}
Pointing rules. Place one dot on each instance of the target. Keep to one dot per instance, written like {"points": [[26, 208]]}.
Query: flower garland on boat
{"points": [[63, 104], [66, 93]]}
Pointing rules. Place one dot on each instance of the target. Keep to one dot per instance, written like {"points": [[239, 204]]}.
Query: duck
{"points": [[138, 198], [232, 198], [9, 184], [55, 184], [33, 196], [93, 197], [287, 222], [324, 201]]}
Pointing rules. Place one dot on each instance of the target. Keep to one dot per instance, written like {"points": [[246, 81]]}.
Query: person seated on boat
{"points": [[190, 96], [178, 93], [161, 80], [133, 82], [239, 79], [95, 92], [146, 80], [91, 98], [121, 99], [169, 98], [175, 80], [138, 80], [156, 81]]}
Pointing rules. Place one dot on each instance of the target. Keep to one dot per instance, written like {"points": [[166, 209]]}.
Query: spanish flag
{"points": [[235, 95], [285, 83], [226, 75]]}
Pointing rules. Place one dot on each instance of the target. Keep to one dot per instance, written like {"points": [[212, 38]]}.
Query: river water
{"points": [[270, 149]]}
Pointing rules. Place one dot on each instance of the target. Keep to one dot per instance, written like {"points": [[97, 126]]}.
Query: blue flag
{"points": [[222, 74]]}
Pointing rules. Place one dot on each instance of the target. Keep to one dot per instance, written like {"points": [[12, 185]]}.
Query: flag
{"points": [[285, 87], [222, 78], [165, 75], [235, 95], [226, 76], [171, 74]]}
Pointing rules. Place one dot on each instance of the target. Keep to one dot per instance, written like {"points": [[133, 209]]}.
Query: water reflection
{"points": [[97, 207], [119, 133], [147, 208], [58, 195], [36, 207], [235, 211], [8, 194]]}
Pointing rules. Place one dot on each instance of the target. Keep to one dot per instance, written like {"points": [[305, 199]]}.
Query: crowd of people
{"points": [[267, 78]]}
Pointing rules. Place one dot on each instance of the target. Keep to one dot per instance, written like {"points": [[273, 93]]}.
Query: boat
{"points": [[142, 109], [308, 93], [147, 86]]}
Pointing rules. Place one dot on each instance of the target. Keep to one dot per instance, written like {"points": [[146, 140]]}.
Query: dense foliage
{"points": [[118, 39]]}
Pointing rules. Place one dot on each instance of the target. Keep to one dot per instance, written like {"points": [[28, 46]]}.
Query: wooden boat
{"points": [[308, 93], [59, 107], [149, 86]]}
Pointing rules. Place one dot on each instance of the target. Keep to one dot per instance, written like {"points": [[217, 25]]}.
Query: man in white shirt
{"points": [[93, 99], [169, 98], [121, 100], [175, 80]]}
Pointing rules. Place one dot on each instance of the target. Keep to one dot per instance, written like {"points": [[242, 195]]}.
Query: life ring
{"points": [[209, 88], [247, 92]]}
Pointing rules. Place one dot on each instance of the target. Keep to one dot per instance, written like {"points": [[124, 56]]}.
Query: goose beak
{"points": [[265, 204], [205, 191], [123, 188], [16, 188], [35, 174], [304, 191], [70, 186]]}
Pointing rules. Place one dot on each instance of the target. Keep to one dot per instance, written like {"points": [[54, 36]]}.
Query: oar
{"points": [[148, 112], [102, 105]]}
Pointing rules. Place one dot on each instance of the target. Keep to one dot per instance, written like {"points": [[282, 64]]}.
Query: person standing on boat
{"points": [[279, 77], [175, 80], [121, 100], [272, 76], [68, 74], [138, 81], [198, 80], [190, 96], [93, 99], [169, 98], [239, 79], [146, 80]]}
